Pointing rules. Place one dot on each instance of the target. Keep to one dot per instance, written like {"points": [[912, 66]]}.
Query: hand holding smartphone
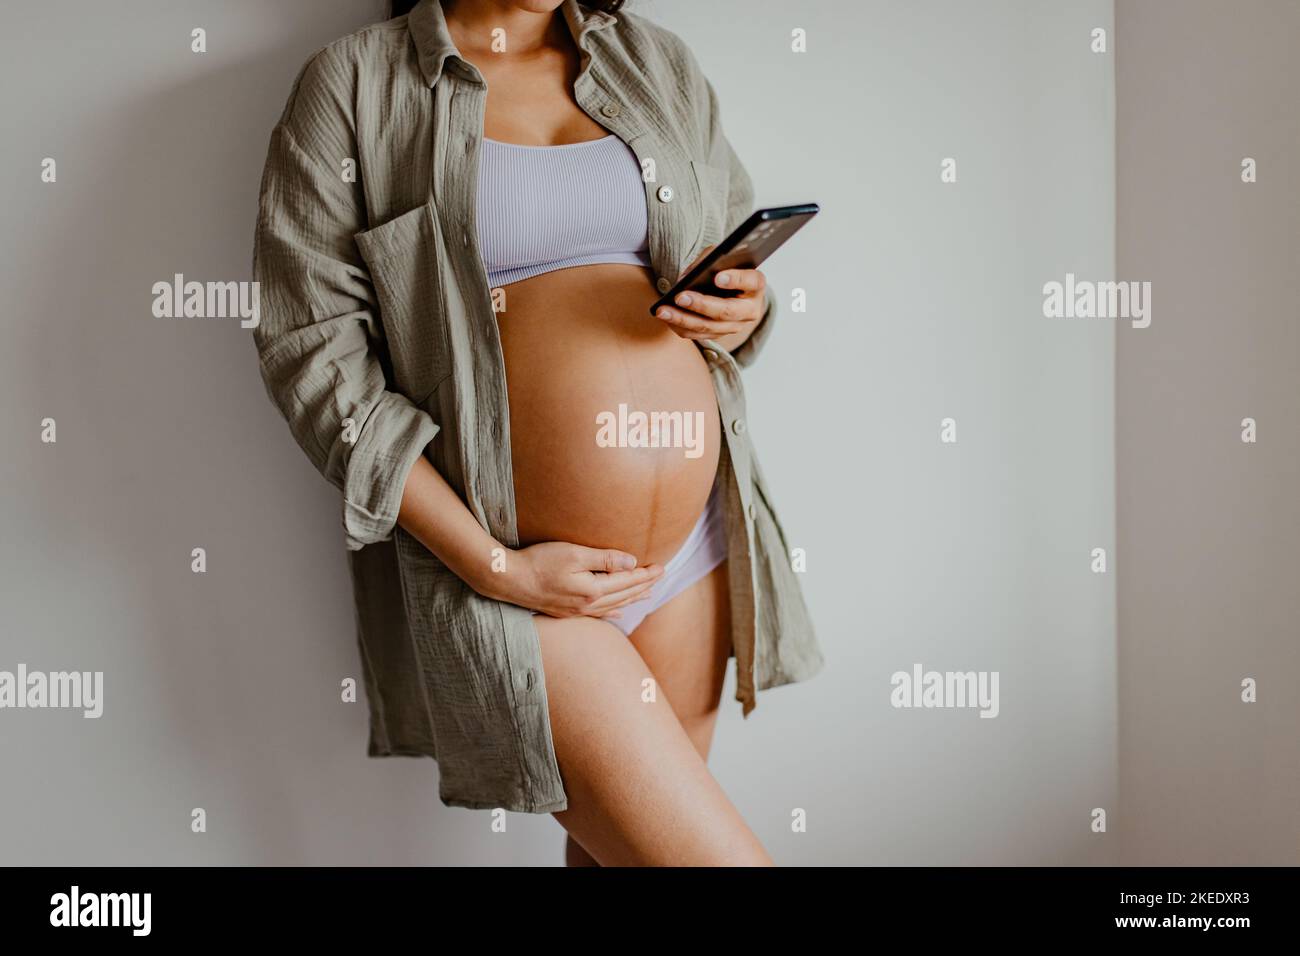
{"points": [[752, 242]]}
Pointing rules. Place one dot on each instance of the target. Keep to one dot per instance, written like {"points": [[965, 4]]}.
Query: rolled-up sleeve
{"points": [[319, 336]]}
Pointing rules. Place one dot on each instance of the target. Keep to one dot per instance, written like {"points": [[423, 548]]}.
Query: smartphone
{"points": [[753, 241]]}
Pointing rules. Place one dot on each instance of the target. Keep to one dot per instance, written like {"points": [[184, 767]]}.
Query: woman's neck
{"points": [[472, 22]]}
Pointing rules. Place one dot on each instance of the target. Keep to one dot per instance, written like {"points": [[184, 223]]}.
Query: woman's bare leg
{"points": [[639, 792], [685, 644]]}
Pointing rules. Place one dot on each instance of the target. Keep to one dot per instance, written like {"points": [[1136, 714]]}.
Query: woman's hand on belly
{"points": [[729, 320], [569, 580], [562, 580]]}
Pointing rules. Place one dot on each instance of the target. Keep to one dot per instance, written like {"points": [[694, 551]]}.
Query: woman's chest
{"points": [[423, 250], [533, 102]]}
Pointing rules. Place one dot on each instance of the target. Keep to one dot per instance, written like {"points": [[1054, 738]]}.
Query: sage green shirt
{"points": [[378, 343]]}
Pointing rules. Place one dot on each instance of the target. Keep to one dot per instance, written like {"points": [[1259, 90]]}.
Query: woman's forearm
{"points": [[555, 578], [435, 516]]}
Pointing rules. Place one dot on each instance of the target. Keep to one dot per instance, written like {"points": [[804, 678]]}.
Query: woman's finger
{"points": [[606, 606], [690, 321], [746, 280], [601, 585], [721, 308], [602, 559], [619, 599]]}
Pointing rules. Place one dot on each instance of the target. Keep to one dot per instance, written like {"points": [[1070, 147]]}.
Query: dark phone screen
{"points": [[753, 241]]}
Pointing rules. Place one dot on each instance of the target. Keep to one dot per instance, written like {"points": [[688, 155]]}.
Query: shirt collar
{"points": [[428, 25]]}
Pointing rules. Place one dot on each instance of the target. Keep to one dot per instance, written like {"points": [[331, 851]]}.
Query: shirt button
{"points": [[665, 193], [738, 426], [610, 109], [465, 236], [751, 511], [664, 284]]}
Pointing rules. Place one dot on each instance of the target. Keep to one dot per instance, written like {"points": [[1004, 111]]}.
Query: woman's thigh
{"points": [[639, 791], [686, 644]]}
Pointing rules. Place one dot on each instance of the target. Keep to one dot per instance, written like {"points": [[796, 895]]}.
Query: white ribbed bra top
{"points": [[541, 208]]}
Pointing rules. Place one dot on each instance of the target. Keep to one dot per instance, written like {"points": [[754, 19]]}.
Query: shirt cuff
{"points": [[393, 436]]}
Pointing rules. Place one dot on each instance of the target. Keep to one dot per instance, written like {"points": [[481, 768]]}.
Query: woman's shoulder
{"points": [[654, 47], [653, 57], [328, 82]]}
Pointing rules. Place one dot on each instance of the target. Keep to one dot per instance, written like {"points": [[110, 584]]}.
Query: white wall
{"points": [[925, 303]]}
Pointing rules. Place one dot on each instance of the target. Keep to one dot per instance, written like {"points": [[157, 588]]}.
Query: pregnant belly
{"points": [[614, 430]]}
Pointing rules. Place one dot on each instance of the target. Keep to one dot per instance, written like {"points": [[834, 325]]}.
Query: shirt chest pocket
{"points": [[711, 184], [404, 258]]}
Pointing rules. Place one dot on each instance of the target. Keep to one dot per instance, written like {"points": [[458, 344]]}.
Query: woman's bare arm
{"points": [[556, 578]]}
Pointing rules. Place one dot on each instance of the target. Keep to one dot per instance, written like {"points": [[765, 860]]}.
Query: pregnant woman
{"points": [[557, 528]]}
